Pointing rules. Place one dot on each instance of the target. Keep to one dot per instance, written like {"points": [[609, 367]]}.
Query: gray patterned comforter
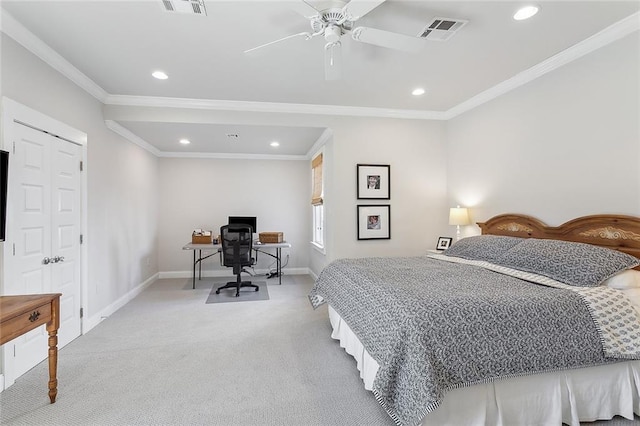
{"points": [[433, 326]]}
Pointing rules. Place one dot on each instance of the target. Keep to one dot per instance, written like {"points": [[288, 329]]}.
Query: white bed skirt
{"points": [[570, 396]]}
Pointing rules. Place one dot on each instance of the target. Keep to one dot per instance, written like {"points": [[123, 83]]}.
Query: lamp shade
{"points": [[458, 216]]}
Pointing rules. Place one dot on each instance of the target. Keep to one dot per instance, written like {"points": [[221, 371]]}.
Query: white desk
{"points": [[216, 248]]}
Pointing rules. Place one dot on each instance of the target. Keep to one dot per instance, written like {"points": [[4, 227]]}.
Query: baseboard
{"points": [[225, 273], [94, 320]]}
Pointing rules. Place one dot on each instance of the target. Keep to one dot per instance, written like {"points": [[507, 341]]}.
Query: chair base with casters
{"points": [[237, 285]]}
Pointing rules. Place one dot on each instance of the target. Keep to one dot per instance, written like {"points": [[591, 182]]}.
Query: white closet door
{"points": [[46, 186], [65, 236], [31, 165]]}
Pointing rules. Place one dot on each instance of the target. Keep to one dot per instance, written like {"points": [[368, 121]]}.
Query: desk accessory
{"points": [[271, 237], [201, 237]]}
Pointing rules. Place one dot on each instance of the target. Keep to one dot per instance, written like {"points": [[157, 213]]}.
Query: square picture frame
{"points": [[374, 222], [444, 243], [374, 181]]}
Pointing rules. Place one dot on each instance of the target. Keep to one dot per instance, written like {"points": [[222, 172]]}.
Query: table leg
{"points": [[53, 365], [194, 268], [200, 265], [279, 263]]}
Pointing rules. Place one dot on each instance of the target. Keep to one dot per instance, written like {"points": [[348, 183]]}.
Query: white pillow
{"points": [[624, 280]]}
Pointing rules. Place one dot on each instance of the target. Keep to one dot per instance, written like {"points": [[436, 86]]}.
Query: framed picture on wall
{"points": [[374, 222], [373, 181]]}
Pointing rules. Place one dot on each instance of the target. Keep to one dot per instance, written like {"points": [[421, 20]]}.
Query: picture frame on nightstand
{"points": [[443, 243]]}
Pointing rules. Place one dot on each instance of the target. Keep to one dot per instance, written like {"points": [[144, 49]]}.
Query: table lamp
{"points": [[458, 216]]}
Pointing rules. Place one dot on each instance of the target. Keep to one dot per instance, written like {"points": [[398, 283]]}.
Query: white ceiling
{"points": [[117, 44]]}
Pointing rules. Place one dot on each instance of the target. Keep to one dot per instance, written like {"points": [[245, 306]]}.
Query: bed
{"points": [[524, 324]]}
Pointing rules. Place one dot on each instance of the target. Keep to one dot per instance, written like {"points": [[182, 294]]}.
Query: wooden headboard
{"points": [[618, 232]]}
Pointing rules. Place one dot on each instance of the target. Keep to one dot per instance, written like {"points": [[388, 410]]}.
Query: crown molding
{"points": [[319, 143], [15, 30], [165, 154], [128, 135], [271, 107], [610, 34]]}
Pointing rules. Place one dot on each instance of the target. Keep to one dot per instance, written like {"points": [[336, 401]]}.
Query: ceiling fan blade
{"points": [[356, 9], [333, 61], [305, 9], [387, 39], [305, 34]]}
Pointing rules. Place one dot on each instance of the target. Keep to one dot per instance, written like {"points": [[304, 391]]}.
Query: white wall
{"points": [[415, 151], [562, 146], [202, 193], [122, 180]]}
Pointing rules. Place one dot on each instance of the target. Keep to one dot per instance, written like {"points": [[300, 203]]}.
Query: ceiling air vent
{"points": [[442, 29], [192, 7]]}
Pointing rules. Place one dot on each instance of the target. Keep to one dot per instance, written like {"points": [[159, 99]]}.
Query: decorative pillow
{"points": [[624, 280], [577, 264], [482, 247], [634, 296]]}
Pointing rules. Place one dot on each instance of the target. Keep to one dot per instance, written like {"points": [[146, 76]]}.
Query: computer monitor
{"points": [[244, 220]]}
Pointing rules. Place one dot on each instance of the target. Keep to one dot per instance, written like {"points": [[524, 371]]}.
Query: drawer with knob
{"points": [[25, 321]]}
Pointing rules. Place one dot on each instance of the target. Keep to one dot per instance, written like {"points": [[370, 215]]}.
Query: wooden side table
{"points": [[20, 314]]}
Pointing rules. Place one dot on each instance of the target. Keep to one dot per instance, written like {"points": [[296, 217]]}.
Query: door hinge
{"points": [[14, 249], [81, 166], [81, 312], [81, 239], [14, 147]]}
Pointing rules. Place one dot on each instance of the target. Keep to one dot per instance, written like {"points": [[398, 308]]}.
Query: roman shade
{"points": [[316, 169]]}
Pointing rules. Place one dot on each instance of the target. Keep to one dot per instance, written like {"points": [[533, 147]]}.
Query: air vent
{"points": [[192, 7], [442, 29]]}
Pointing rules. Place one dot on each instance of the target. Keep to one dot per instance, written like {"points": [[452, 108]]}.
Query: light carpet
{"points": [[167, 358]]}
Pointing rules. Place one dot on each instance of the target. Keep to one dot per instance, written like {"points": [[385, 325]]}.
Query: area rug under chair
{"points": [[247, 294]]}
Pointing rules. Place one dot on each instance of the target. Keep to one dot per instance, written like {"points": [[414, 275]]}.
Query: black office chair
{"points": [[237, 245]]}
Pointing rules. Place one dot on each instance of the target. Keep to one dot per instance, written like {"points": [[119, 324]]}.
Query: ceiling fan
{"points": [[332, 19]]}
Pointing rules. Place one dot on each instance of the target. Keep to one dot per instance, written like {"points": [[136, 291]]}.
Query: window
{"points": [[318, 220], [317, 201]]}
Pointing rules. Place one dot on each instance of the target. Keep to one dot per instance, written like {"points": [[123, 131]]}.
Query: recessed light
{"points": [[274, 144], [418, 91], [185, 141], [526, 13], [160, 75]]}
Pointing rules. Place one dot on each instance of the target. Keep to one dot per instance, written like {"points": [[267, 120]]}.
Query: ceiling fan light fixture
{"points": [[525, 12], [418, 91], [275, 144], [185, 141], [332, 33]]}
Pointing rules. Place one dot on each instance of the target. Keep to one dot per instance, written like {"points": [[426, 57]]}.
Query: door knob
{"points": [[57, 259], [46, 261]]}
